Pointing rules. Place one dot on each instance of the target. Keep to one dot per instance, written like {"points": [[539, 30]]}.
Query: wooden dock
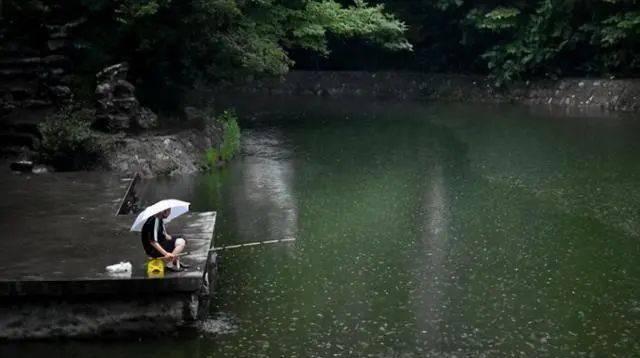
{"points": [[53, 255]]}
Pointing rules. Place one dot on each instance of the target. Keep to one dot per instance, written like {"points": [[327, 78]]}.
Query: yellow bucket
{"points": [[155, 268]]}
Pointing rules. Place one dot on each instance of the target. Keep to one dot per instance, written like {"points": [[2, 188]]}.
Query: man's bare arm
{"points": [[164, 253]]}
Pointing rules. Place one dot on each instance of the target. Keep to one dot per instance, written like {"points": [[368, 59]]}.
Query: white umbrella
{"points": [[178, 207]]}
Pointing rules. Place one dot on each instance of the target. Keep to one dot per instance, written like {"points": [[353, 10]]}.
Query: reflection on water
{"points": [[262, 196], [422, 231], [434, 250]]}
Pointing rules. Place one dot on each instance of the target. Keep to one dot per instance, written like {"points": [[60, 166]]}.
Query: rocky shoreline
{"points": [[592, 94], [179, 153], [159, 154], [118, 134], [129, 143], [149, 154]]}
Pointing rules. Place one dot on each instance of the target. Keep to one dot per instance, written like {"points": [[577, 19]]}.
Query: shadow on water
{"points": [[422, 230]]}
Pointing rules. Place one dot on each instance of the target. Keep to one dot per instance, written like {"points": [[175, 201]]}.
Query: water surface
{"points": [[422, 230]]}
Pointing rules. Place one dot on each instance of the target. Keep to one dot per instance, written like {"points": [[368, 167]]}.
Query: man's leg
{"points": [[180, 245]]}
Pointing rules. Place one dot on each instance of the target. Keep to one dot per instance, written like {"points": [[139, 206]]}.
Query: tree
{"points": [[223, 38]]}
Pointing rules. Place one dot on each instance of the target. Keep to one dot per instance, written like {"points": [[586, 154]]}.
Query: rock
{"points": [[196, 116], [36, 103], [23, 166], [193, 114], [176, 154], [113, 73], [117, 107], [103, 90], [61, 92], [22, 72], [20, 61], [127, 104], [41, 169], [59, 60], [41, 61], [57, 44], [112, 123], [57, 72], [147, 119], [60, 31], [124, 89]]}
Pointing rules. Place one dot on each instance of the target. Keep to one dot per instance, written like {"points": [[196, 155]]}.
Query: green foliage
{"points": [[500, 18], [171, 44], [316, 19], [618, 37], [211, 157], [542, 37], [513, 40], [619, 28], [231, 137], [139, 8], [447, 4], [230, 140], [260, 39], [182, 41], [67, 140]]}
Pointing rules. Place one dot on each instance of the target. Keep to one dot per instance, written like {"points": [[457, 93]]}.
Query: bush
{"points": [[212, 157], [68, 142], [231, 136], [230, 140]]}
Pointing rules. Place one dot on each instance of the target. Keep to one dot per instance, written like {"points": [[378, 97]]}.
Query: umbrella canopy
{"points": [[178, 207]]}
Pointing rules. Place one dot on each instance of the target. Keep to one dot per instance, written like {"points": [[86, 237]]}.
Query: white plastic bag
{"points": [[122, 267]]}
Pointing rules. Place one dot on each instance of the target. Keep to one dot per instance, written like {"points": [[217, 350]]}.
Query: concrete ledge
{"points": [[60, 232], [40, 318], [101, 288], [47, 274]]}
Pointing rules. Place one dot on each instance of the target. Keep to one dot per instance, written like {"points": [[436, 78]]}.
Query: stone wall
{"points": [[36, 75], [605, 94], [35, 79]]}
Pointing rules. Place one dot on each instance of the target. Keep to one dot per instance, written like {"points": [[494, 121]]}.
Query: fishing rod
{"points": [[237, 246], [256, 243]]}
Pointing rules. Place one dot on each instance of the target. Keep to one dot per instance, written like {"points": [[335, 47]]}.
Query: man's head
{"points": [[165, 213]]}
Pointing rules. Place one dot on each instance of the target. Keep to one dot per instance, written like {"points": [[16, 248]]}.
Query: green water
{"points": [[422, 230]]}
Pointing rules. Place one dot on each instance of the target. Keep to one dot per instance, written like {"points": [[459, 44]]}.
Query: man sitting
{"points": [[157, 243]]}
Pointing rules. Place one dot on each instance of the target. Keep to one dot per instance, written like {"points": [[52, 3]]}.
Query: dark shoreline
{"points": [[183, 151], [587, 93]]}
